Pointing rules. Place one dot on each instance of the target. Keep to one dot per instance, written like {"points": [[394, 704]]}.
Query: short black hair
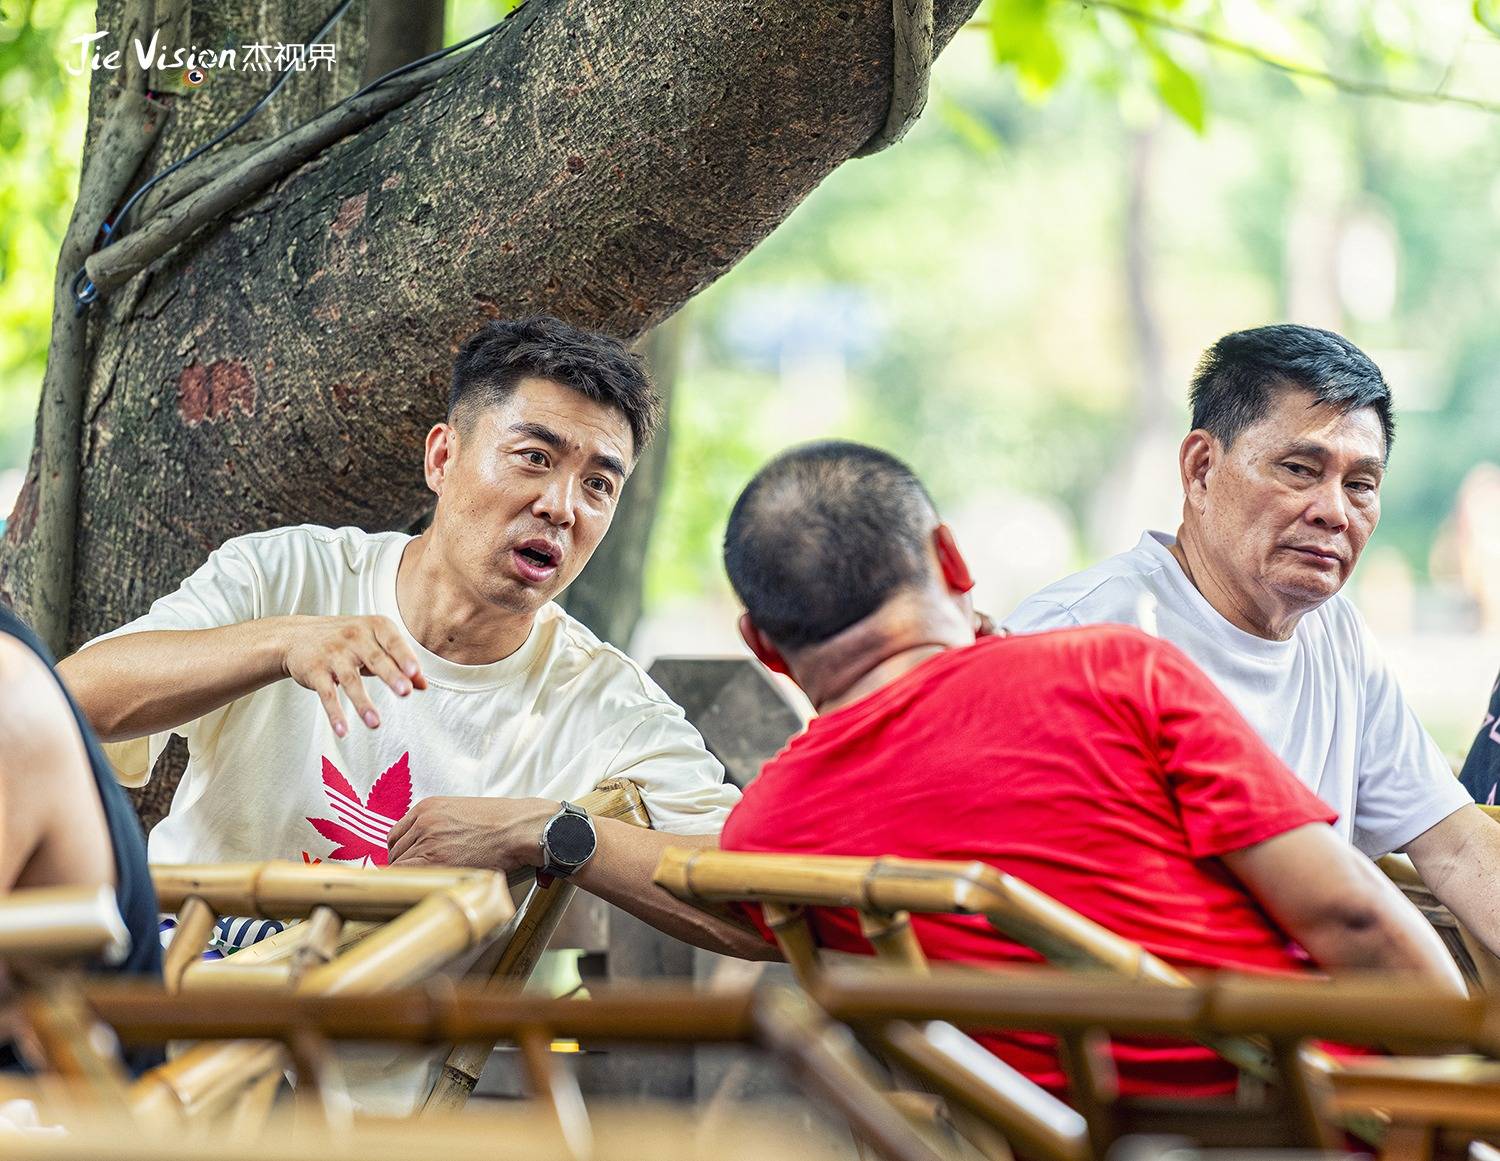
{"points": [[1234, 381], [823, 536], [495, 359]]}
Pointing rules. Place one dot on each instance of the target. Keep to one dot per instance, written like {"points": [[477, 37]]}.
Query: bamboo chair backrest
{"points": [[794, 1031], [62, 923], [432, 916], [886, 891]]}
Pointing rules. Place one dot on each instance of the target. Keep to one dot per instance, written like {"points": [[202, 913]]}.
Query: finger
{"points": [[354, 689], [393, 643], [403, 824], [378, 663], [401, 847], [984, 624], [328, 694]]}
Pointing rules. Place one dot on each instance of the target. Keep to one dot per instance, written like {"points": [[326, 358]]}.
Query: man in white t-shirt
{"points": [[1281, 477], [370, 697]]}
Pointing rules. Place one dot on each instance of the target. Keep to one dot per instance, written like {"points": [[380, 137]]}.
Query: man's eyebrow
{"points": [[543, 433], [557, 443], [611, 464], [1317, 451]]}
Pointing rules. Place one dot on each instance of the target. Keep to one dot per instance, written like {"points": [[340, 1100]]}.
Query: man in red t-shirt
{"points": [[1097, 764]]}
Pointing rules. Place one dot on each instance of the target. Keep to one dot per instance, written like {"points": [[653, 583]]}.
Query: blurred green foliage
{"points": [[42, 111]]}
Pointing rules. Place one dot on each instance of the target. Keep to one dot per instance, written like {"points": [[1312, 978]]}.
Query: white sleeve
{"points": [[682, 783], [1405, 785], [1037, 614], [227, 588]]}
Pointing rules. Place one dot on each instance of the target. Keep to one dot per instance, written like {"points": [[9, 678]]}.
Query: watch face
{"points": [[570, 839]]}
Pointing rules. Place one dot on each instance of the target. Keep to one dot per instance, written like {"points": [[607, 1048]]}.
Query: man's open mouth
{"points": [[536, 560]]}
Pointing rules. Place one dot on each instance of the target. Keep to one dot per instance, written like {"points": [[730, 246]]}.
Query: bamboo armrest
{"points": [[1456, 1092], [62, 923], [279, 890], [890, 885]]}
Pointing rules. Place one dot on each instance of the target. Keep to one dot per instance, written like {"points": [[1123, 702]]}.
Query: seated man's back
{"points": [[1097, 764]]}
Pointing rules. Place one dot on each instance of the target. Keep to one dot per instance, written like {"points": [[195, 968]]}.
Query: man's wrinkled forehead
{"points": [[1297, 420]]}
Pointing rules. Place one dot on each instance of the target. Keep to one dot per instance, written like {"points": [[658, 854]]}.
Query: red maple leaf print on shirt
{"points": [[363, 823]]}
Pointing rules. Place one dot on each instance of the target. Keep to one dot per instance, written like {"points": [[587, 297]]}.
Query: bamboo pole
{"points": [[195, 923], [54, 923]]}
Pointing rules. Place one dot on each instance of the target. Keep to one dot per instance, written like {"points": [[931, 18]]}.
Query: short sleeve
{"points": [[1481, 772], [1405, 784], [681, 782], [1037, 614], [227, 588], [1231, 791]]}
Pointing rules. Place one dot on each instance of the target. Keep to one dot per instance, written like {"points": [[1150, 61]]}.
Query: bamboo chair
{"points": [[367, 929], [1423, 1103], [782, 1023], [885, 892]]}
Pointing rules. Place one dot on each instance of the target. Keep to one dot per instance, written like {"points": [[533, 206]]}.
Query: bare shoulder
{"points": [[35, 720]]}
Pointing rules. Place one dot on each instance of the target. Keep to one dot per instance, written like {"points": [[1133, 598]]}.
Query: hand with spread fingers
{"points": [[499, 834], [329, 655]]}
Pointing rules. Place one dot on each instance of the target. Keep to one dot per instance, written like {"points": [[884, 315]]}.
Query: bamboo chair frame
{"points": [[1419, 1100], [783, 1023], [431, 917], [885, 892]]}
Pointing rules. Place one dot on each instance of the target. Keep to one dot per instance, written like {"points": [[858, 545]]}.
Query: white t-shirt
{"points": [[1325, 700], [268, 779]]}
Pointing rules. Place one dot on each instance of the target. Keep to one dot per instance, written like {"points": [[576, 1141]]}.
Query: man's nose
{"points": [[556, 502], [1329, 506]]}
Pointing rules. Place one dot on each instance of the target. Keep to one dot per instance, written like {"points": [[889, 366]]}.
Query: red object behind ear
{"points": [[955, 568]]}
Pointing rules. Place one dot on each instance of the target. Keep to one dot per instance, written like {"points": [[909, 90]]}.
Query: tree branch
{"points": [[1344, 84], [116, 264], [130, 128]]}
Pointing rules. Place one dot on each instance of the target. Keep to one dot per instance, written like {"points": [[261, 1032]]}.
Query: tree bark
{"points": [[599, 161]]}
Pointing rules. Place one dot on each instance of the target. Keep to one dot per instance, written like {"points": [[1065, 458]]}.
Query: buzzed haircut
{"points": [[493, 361], [1233, 386], [823, 536]]}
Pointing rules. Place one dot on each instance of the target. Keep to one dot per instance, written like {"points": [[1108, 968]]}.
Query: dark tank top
{"points": [[133, 887]]}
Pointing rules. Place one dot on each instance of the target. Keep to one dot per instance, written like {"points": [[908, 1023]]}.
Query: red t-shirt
{"points": [[1097, 764]]}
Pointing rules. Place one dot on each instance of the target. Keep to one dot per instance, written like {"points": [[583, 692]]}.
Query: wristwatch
{"points": [[568, 840]]}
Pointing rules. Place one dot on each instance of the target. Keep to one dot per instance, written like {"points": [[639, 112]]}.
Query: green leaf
{"points": [[1487, 15], [1022, 36], [1178, 89]]}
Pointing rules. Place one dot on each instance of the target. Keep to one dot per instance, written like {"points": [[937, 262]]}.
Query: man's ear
{"points": [[442, 445], [951, 561], [1196, 459], [765, 652]]}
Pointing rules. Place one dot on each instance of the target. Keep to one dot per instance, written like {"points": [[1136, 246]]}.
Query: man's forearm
{"points": [[1459, 860], [621, 873], [144, 683]]}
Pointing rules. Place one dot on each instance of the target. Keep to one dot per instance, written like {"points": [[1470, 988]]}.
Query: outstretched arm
{"points": [[152, 681], [504, 834], [1337, 904], [1459, 860]]}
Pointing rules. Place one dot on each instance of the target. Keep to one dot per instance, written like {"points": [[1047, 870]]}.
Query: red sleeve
{"points": [[1231, 791]]}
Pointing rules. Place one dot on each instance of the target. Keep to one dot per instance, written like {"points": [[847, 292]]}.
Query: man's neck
{"points": [[1229, 600], [888, 644], [446, 618]]}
